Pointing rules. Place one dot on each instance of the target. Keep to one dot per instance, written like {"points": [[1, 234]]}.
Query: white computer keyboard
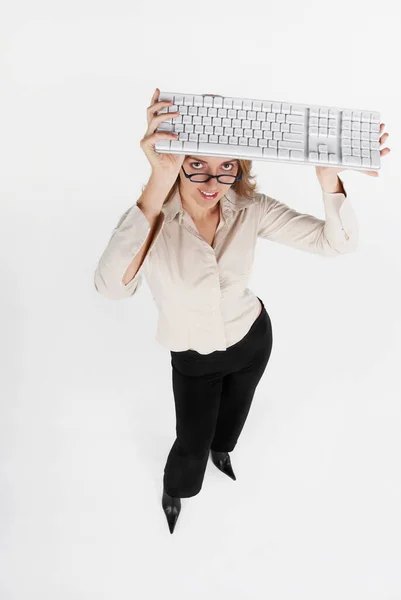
{"points": [[214, 125]]}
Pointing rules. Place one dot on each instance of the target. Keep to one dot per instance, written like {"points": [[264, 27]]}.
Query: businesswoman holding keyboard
{"points": [[192, 233]]}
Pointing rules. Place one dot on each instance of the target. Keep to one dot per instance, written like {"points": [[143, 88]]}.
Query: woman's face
{"points": [[212, 165]]}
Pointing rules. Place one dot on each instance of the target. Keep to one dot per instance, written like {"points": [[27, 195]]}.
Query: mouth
{"points": [[207, 196]]}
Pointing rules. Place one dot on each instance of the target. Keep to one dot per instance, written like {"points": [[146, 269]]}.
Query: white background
{"points": [[87, 409]]}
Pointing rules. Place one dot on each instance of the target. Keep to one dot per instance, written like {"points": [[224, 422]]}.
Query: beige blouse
{"points": [[201, 291]]}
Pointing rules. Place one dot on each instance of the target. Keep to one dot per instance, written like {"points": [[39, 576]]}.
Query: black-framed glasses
{"points": [[202, 177]]}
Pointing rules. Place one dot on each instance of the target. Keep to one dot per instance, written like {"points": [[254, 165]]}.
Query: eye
{"points": [[199, 163]]}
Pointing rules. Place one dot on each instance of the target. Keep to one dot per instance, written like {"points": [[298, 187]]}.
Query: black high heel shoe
{"points": [[223, 463], [172, 508]]}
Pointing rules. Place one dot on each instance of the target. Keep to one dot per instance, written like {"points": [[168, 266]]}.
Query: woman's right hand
{"points": [[161, 162]]}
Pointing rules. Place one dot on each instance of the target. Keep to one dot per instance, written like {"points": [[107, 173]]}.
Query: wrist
{"points": [[331, 184]]}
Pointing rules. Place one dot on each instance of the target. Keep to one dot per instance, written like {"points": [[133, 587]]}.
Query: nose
{"points": [[212, 184], [211, 189]]}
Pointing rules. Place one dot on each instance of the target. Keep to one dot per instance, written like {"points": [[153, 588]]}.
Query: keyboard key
{"points": [[270, 152], [290, 145], [298, 110], [176, 145], [294, 137], [297, 155], [190, 146], [231, 150], [294, 119], [352, 160], [375, 159]]}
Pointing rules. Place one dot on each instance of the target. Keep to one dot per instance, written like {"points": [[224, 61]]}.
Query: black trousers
{"points": [[213, 394]]}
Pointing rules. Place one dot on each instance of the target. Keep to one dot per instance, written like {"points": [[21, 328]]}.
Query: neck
{"points": [[198, 213]]}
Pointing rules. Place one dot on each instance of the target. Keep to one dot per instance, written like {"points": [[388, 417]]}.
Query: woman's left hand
{"points": [[327, 171]]}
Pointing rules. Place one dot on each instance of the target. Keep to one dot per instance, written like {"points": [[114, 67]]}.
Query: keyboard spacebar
{"points": [[230, 150]]}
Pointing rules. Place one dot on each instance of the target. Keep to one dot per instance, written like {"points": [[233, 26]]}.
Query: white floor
{"points": [[314, 512]]}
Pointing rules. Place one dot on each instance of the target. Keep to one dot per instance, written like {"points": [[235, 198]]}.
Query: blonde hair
{"points": [[247, 187]]}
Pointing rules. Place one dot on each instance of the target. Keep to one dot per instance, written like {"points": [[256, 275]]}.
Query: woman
{"points": [[197, 253]]}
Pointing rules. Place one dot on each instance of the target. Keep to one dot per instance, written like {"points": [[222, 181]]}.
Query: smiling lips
{"points": [[207, 194]]}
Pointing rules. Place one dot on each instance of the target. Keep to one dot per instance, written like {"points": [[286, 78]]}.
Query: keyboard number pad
{"points": [[360, 139]]}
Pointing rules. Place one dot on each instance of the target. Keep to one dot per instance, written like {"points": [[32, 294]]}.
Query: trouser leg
{"points": [[240, 384], [196, 405], [236, 399]]}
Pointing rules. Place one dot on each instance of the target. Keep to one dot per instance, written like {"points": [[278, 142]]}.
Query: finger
{"points": [[383, 138]]}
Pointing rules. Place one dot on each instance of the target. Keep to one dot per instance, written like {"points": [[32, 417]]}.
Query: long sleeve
{"points": [[337, 234], [126, 240]]}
